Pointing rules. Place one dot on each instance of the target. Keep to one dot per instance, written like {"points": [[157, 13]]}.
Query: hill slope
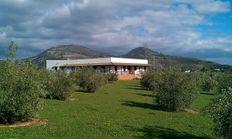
{"points": [[67, 52], [159, 60]]}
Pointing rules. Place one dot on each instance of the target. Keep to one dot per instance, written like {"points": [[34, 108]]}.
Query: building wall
{"points": [[122, 71], [52, 63], [128, 60], [57, 63]]}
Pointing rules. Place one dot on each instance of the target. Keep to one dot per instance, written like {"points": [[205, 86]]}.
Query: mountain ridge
{"points": [[62, 52], [156, 59], [159, 60]]}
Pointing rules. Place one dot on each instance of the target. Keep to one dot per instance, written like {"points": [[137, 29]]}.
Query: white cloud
{"points": [[165, 25], [208, 6], [213, 7], [3, 35]]}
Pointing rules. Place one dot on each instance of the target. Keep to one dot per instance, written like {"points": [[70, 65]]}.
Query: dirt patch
{"points": [[31, 122], [72, 99], [190, 111]]}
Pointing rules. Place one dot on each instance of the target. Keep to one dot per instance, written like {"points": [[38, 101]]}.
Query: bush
{"points": [[90, 80], [148, 80], [174, 90], [221, 112], [224, 80], [19, 92], [58, 85], [206, 81], [111, 77]]}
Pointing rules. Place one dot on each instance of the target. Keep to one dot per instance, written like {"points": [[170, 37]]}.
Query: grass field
{"points": [[118, 110]]}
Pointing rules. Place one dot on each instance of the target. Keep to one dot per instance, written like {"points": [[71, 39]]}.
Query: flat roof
{"points": [[107, 61], [105, 64]]}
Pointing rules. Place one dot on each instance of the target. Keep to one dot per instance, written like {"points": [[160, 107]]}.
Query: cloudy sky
{"points": [[193, 28]]}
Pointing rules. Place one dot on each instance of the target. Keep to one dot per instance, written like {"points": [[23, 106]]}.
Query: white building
{"points": [[121, 66]]}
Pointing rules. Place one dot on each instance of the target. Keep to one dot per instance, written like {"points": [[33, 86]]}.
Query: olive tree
{"points": [[57, 85], [89, 80], [148, 80], [20, 89], [19, 92], [220, 110], [174, 90]]}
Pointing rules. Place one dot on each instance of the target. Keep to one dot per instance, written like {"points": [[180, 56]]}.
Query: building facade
{"points": [[120, 66]]}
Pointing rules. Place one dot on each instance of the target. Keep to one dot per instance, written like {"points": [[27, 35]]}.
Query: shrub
{"points": [[148, 80], [111, 77], [90, 80], [19, 92], [206, 81], [174, 90], [58, 85], [224, 80], [221, 112]]}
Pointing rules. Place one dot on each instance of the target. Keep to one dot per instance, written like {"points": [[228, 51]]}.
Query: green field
{"points": [[118, 110]]}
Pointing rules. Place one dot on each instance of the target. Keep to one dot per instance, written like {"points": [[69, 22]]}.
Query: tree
{"points": [[20, 89], [174, 90], [20, 92], [57, 85], [148, 80], [206, 81], [220, 110], [89, 80], [11, 54]]}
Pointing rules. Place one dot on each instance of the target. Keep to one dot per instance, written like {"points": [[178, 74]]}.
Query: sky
{"points": [[192, 28]]}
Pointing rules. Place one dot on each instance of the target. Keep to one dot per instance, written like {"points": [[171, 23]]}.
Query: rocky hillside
{"points": [[67, 52], [159, 60]]}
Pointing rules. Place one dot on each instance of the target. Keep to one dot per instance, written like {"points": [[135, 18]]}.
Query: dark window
{"points": [[124, 68], [103, 68]]}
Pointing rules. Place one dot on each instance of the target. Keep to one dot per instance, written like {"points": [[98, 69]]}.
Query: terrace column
{"points": [[119, 69], [133, 69]]}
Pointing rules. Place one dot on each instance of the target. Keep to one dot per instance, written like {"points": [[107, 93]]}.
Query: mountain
{"points": [[66, 52], [159, 60], [156, 59]]}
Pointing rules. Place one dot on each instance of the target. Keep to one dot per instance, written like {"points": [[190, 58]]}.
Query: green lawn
{"points": [[118, 110]]}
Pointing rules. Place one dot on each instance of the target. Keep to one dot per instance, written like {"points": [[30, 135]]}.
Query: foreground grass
{"points": [[118, 110]]}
